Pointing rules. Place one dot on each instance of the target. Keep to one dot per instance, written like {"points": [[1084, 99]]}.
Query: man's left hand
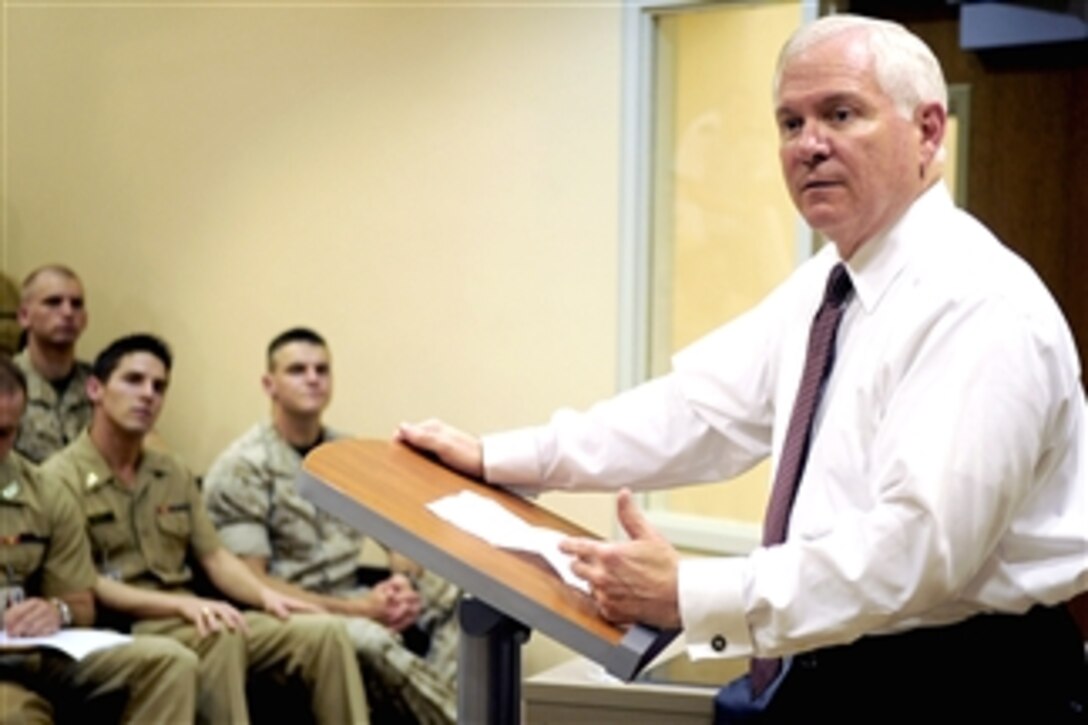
{"points": [[630, 581]]}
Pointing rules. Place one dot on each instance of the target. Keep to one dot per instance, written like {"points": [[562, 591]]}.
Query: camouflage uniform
{"points": [[144, 536], [44, 552], [51, 422], [251, 496]]}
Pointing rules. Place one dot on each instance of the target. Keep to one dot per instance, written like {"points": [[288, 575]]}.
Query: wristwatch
{"points": [[63, 610]]}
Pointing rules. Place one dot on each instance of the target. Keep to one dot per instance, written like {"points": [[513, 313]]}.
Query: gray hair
{"points": [[905, 67]]}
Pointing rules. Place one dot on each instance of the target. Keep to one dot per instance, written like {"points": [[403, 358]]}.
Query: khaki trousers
{"points": [[311, 648], [158, 675]]}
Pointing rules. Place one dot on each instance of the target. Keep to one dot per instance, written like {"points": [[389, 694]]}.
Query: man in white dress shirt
{"points": [[941, 519]]}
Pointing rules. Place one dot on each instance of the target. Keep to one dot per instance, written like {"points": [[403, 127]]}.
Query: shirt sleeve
{"points": [[68, 566], [652, 436], [239, 502], [623, 441]]}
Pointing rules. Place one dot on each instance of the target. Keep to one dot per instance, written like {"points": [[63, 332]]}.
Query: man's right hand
{"points": [[34, 617], [210, 615], [459, 450], [392, 602]]}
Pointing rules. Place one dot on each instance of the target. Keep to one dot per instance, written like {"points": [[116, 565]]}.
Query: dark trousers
{"points": [[1026, 668]]}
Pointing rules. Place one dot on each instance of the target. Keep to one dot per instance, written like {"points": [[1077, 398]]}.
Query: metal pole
{"points": [[489, 665]]}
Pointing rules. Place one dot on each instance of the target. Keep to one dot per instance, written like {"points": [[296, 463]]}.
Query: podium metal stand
{"points": [[489, 664], [382, 488]]}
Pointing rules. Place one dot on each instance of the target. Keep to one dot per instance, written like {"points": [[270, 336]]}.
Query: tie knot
{"points": [[838, 286]]}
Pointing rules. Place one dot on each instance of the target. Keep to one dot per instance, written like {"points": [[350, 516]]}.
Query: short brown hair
{"points": [[30, 279], [295, 334]]}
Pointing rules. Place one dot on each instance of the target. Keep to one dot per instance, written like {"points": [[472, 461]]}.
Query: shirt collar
{"points": [[38, 388], [878, 262], [96, 471]]}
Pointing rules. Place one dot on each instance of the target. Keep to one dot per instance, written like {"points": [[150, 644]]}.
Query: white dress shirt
{"points": [[947, 473]]}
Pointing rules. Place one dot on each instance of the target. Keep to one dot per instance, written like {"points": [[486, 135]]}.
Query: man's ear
{"points": [[94, 389], [23, 316], [931, 119], [267, 384]]}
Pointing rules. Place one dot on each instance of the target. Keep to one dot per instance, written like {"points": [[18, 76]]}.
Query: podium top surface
{"points": [[382, 488]]}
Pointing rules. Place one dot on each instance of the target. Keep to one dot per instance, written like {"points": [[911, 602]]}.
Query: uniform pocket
{"points": [[177, 524], [175, 529], [108, 534]]}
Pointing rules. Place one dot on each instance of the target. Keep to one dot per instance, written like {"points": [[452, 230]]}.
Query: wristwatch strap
{"points": [[64, 610]]}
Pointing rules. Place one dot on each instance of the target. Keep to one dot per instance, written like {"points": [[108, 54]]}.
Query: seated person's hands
{"points": [[210, 615], [34, 617], [391, 602]]}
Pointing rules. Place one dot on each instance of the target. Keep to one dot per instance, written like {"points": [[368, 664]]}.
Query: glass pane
{"points": [[724, 228]]}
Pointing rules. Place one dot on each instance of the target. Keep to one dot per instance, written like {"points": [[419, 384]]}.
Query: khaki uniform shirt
{"points": [[51, 422], [251, 497], [42, 546], [140, 535]]}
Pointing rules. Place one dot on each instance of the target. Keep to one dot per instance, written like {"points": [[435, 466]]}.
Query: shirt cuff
{"points": [[711, 592], [511, 458]]}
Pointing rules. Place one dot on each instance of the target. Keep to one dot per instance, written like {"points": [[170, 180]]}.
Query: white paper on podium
{"points": [[77, 643], [491, 522]]}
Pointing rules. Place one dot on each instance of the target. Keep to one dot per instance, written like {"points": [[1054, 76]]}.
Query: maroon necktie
{"points": [[818, 361]]}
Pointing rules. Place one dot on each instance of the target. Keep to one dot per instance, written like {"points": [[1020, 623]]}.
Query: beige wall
{"points": [[434, 188]]}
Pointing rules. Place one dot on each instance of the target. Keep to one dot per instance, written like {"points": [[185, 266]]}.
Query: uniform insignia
{"points": [[24, 538], [92, 480], [101, 518], [10, 491]]}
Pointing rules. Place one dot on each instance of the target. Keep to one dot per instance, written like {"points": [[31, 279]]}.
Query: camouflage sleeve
{"points": [[68, 566], [239, 501]]}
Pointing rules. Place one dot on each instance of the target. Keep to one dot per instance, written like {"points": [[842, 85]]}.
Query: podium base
{"points": [[489, 665]]}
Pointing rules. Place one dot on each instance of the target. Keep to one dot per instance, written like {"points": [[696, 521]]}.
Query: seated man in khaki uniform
{"points": [[47, 574], [251, 496], [52, 314], [147, 521]]}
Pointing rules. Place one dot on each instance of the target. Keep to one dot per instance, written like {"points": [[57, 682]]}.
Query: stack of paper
{"points": [[491, 522], [76, 643]]}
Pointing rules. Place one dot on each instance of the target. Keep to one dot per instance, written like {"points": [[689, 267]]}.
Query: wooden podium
{"points": [[382, 488]]}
